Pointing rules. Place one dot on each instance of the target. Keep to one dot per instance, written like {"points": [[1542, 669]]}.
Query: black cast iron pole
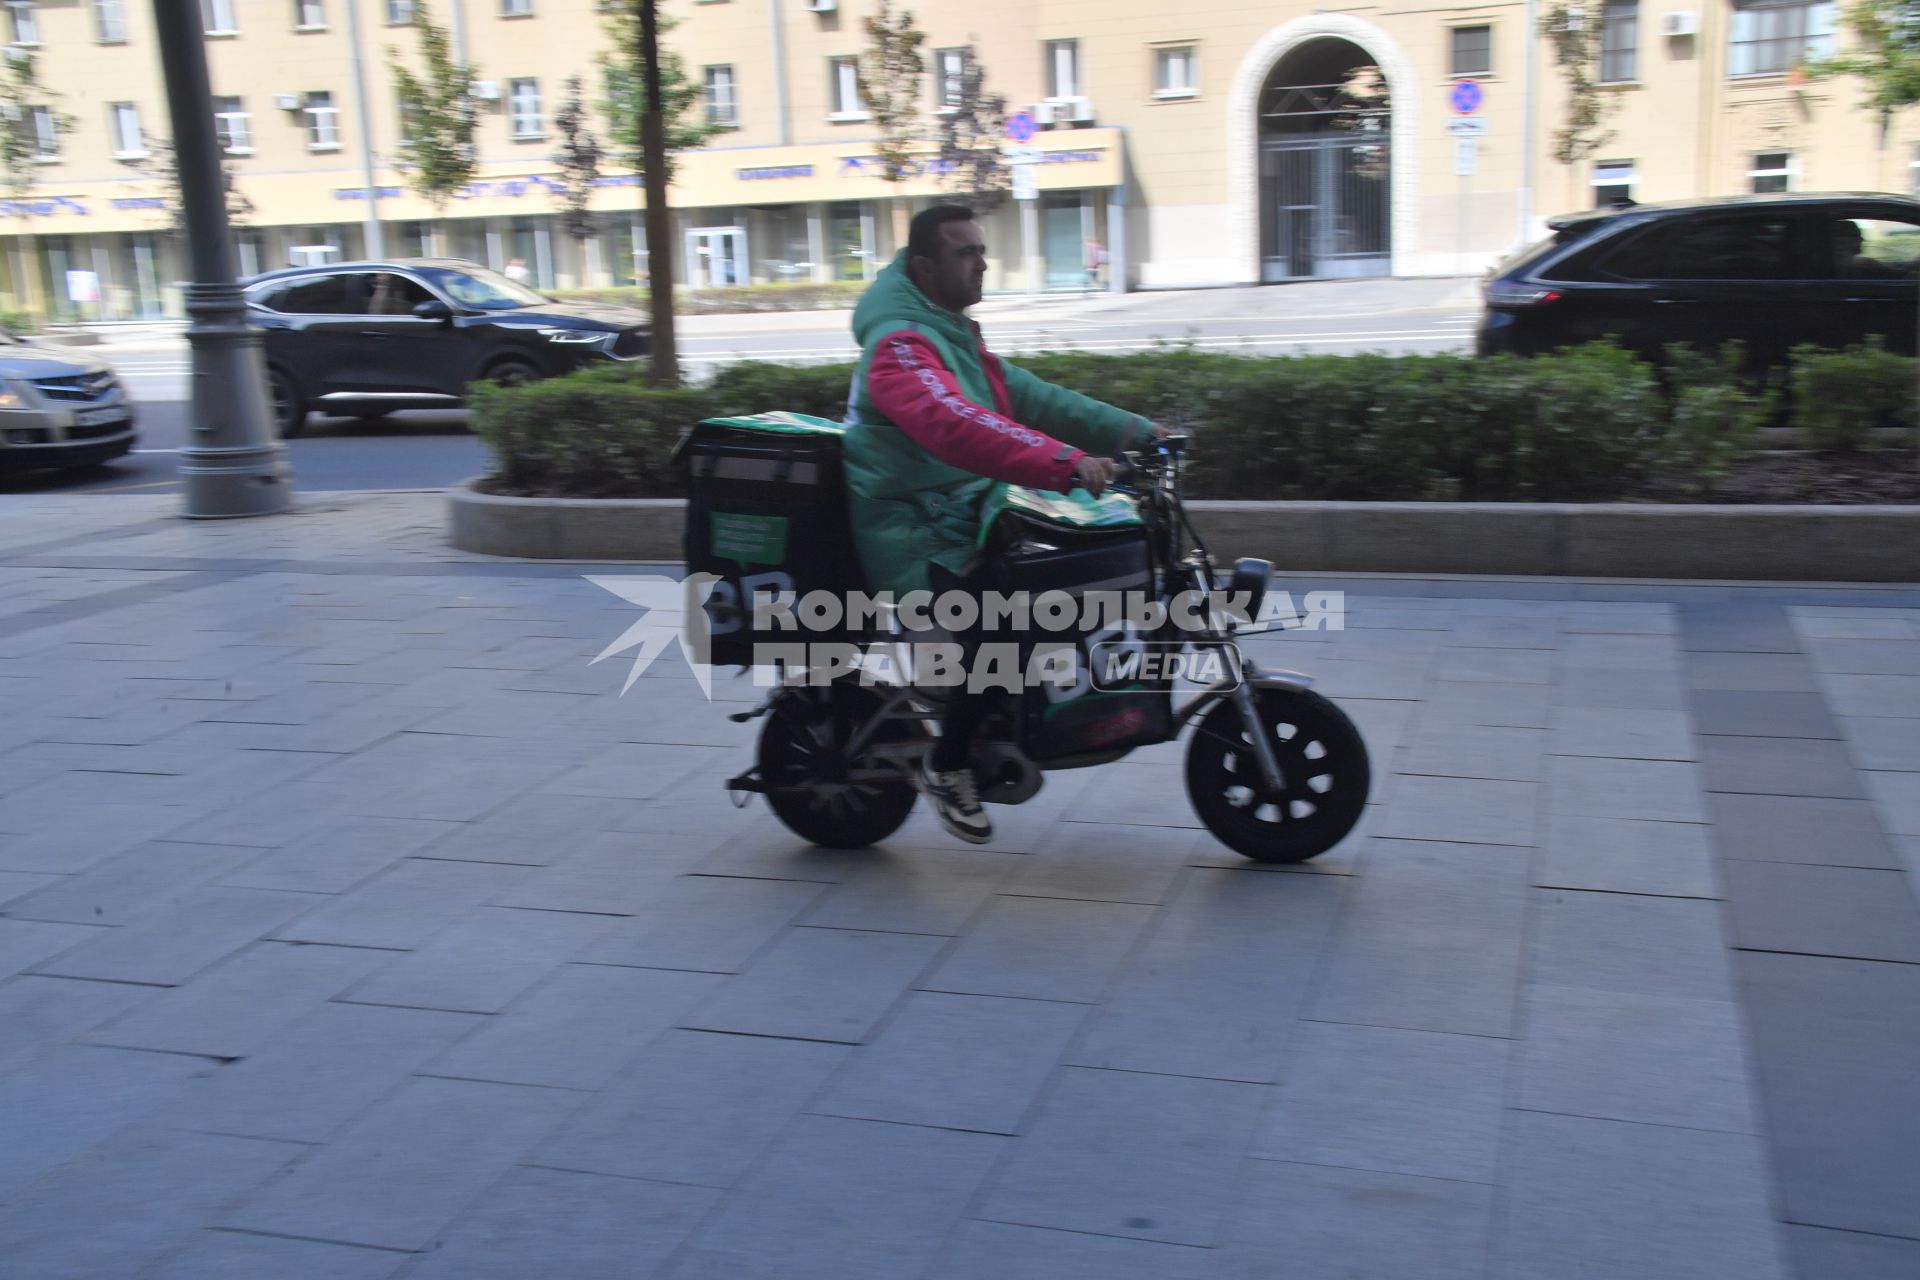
{"points": [[232, 464]]}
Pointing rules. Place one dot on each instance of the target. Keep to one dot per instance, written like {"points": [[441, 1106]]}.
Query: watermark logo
{"points": [[1122, 664], [674, 610]]}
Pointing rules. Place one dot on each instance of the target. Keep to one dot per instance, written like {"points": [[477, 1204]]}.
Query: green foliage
{"points": [[624, 95], [578, 158], [1840, 397], [1588, 424], [1886, 53], [1573, 31], [438, 117], [889, 73], [20, 92], [970, 133], [18, 322]]}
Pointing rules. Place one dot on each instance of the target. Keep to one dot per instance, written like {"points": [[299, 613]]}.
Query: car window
{"points": [[329, 295], [483, 290], [1873, 248], [389, 294], [1754, 247]]}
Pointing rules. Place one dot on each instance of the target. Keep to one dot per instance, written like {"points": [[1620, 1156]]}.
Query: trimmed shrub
{"points": [[1840, 397]]}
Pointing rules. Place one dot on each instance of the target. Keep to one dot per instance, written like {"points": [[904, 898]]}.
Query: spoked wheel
{"points": [[806, 771], [1323, 770]]}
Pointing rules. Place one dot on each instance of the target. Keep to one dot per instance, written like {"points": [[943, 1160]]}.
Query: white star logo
{"points": [[675, 610]]}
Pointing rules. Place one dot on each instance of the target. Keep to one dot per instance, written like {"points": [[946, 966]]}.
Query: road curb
{"points": [[1613, 540]]}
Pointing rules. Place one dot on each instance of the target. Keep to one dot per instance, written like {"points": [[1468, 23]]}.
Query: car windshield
{"points": [[483, 290]]}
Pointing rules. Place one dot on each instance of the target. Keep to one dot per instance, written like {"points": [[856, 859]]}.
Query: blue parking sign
{"points": [[1021, 126], [1465, 97]]}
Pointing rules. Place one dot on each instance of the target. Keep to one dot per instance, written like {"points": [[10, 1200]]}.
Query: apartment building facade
{"points": [[1201, 145]]}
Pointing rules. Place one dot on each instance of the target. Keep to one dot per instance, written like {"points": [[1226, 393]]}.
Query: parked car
{"points": [[364, 339], [1770, 271], [59, 409]]}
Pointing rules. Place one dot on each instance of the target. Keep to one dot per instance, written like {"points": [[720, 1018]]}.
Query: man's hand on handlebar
{"points": [[1093, 474]]}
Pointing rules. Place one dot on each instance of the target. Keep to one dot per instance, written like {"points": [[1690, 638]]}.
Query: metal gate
{"points": [[1325, 207]]}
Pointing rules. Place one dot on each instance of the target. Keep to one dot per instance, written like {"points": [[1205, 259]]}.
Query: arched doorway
{"points": [[1325, 137]]}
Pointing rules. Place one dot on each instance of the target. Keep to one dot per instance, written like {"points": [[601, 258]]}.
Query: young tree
{"points": [[438, 117], [161, 167], [1886, 54], [1574, 35], [579, 159], [889, 73], [20, 93], [623, 81], [1366, 104], [970, 163]]}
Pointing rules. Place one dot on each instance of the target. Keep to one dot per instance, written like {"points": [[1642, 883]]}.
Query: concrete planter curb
{"points": [[1596, 540]]}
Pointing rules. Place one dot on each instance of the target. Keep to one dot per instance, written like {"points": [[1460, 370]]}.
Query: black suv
{"points": [[363, 339], [1770, 271]]}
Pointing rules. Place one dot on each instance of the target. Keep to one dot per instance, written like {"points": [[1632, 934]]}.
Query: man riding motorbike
{"points": [[934, 422]]}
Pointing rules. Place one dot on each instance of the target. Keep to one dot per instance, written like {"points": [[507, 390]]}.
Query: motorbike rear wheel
{"points": [[804, 766], [1324, 773]]}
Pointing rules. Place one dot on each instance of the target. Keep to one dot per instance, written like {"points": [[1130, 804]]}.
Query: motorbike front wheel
{"points": [[1323, 770], [805, 769]]}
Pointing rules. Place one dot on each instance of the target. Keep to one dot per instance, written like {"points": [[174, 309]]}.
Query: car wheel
{"points": [[511, 373], [289, 405]]}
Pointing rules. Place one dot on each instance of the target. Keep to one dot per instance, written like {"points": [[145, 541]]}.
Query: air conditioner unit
{"points": [[1043, 112], [1078, 110], [1679, 24], [287, 101], [822, 6], [486, 90]]}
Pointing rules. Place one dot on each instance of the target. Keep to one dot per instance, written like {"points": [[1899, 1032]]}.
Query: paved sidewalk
{"points": [[352, 927]]}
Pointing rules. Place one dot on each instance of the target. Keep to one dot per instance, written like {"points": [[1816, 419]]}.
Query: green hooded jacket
{"points": [[908, 507]]}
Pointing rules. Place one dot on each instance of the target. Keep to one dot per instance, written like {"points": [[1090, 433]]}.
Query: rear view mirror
{"points": [[433, 309]]}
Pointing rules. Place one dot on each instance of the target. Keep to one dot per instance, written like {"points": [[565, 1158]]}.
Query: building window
{"points": [[309, 15], [721, 110], [523, 108], [1773, 36], [399, 12], [516, 8], [216, 18], [1612, 183], [1620, 42], [46, 133], [1472, 51], [123, 120], [20, 18], [1063, 68], [844, 74], [1771, 171], [110, 21], [1174, 72], [323, 122], [949, 77], [231, 122]]}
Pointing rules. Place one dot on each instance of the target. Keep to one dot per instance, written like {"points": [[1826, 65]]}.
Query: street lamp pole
{"points": [[376, 246], [232, 464]]}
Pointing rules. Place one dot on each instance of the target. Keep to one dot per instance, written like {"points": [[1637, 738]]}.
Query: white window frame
{"points": [[1762, 35], [236, 137], [1063, 68], [1620, 21], [46, 135], [110, 21], [23, 26], [1454, 70], [843, 86], [524, 121], [1788, 169], [322, 121], [309, 15], [400, 12], [123, 127], [217, 19], [1165, 59], [723, 108], [1617, 173], [516, 8], [949, 74]]}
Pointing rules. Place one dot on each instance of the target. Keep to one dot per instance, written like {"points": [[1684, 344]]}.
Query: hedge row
{"points": [[1589, 424]]}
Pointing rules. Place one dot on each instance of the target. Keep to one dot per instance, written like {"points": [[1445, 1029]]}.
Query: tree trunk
{"points": [[653, 147]]}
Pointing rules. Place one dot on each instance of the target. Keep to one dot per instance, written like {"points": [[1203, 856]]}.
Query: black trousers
{"points": [[965, 711]]}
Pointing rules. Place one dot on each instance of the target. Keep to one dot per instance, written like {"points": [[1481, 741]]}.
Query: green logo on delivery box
{"points": [[748, 539]]}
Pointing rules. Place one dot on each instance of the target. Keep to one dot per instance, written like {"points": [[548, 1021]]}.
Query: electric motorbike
{"points": [[1275, 771]]}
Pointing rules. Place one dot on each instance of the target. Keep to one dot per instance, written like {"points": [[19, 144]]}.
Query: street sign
{"points": [[1466, 157], [1024, 187], [1467, 128], [1466, 97], [1022, 155], [1021, 126]]}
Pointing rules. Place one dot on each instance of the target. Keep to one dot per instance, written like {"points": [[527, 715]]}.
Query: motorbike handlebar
{"points": [[1140, 467]]}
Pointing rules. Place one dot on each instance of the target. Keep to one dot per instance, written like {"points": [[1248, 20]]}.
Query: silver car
{"points": [[59, 408]]}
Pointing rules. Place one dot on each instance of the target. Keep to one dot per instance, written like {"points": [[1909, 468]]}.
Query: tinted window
{"points": [[314, 296], [1873, 248], [394, 295], [1756, 247]]}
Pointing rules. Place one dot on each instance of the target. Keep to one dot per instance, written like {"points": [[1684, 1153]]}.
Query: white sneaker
{"points": [[957, 801]]}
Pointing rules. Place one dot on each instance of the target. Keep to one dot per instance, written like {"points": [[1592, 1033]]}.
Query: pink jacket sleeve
{"points": [[907, 382]]}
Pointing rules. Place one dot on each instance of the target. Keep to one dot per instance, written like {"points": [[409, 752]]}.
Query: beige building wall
{"points": [[1172, 184]]}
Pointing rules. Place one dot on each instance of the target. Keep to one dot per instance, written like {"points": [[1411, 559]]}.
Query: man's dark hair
{"points": [[923, 233]]}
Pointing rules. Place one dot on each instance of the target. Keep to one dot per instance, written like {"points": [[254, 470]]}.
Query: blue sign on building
{"points": [[1466, 97], [1021, 126]]}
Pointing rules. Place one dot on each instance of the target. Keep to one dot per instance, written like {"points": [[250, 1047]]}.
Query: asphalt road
{"points": [[434, 450]]}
